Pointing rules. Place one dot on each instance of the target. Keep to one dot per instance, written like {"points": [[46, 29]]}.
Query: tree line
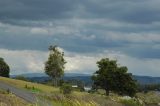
{"points": [[110, 76]]}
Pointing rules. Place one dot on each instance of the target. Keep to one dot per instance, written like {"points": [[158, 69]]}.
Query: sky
{"points": [[86, 30]]}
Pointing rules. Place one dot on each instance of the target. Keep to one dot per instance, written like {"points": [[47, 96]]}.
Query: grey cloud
{"points": [[14, 10], [137, 11], [137, 46]]}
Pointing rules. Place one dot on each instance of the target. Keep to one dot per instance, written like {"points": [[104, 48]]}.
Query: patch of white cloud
{"points": [[81, 64], [26, 61]]}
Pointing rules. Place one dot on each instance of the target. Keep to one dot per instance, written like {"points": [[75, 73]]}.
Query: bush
{"points": [[131, 102], [4, 68], [66, 88], [92, 91]]}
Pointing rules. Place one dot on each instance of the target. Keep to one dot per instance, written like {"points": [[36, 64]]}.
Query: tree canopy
{"points": [[4, 68], [54, 66], [112, 77]]}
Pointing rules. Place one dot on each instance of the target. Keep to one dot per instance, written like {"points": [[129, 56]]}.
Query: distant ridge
{"points": [[147, 79], [30, 75], [87, 77]]}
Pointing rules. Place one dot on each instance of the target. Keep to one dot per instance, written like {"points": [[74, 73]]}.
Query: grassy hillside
{"points": [[52, 95], [23, 84]]}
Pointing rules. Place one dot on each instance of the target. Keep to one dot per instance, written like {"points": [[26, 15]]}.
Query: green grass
{"points": [[131, 102]]}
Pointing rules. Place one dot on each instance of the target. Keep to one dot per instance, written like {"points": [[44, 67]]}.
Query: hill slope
{"points": [[52, 94]]}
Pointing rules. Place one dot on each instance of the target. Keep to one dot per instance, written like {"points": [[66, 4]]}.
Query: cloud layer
{"points": [[85, 29]]}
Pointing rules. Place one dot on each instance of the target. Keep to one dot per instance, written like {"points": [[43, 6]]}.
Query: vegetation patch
{"points": [[79, 99], [32, 89], [66, 88]]}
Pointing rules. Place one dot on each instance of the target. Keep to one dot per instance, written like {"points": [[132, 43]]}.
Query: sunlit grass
{"points": [[22, 84]]}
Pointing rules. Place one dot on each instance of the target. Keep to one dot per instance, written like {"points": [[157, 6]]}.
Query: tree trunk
{"points": [[107, 92], [54, 82]]}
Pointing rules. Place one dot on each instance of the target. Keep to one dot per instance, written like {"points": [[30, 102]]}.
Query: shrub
{"points": [[3, 91], [26, 86], [66, 88], [8, 91], [131, 102]]}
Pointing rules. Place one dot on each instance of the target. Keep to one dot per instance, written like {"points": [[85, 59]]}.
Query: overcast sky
{"points": [[86, 30]]}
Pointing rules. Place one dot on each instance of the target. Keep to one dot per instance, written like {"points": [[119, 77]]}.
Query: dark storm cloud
{"points": [[137, 11], [29, 10]]}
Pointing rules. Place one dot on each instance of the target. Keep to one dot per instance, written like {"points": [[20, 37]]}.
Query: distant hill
{"points": [[147, 79], [30, 75], [41, 77]]}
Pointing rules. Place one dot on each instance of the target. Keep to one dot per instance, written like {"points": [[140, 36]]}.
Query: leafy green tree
{"points": [[4, 68], [124, 82], [112, 77], [54, 66]]}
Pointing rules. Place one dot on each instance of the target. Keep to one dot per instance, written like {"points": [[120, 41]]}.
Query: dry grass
{"points": [[150, 97], [81, 98], [11, 100]]}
